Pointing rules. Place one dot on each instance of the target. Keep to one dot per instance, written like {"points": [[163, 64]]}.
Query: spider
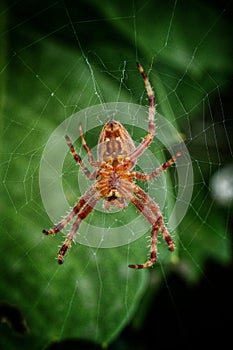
{"points": [[115, 183]]}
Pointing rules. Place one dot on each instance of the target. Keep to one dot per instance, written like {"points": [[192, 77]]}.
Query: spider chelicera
{"points": [[115, 183]]}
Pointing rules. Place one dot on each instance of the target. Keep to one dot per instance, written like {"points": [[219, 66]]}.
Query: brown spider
{"points": [[114, 177]]}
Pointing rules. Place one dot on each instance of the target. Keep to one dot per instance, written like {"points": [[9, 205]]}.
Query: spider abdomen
{"points": [[114, 142]]}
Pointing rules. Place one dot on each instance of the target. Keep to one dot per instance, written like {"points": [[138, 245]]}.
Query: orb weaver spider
{"points": [[115, 183]]}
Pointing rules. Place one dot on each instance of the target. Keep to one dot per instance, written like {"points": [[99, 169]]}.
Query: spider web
{"points": [[61, 64]]}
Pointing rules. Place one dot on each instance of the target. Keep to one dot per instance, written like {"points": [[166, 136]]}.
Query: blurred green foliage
{"points": [[45, 77]]}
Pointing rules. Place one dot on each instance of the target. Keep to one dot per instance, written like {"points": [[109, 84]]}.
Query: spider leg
{"points": [[89, 153], [154, 233], [151, 123], [75, 210], [151, 98], [155, 209], [78, 159], [165, 166], [86, 209], [152, 213]]}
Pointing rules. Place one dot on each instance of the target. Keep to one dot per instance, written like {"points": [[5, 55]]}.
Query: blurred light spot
{"points": [[221, 184]]}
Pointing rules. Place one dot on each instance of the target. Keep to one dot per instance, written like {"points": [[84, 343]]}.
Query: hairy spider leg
{"points": [[159, 218], [75, 210], [150, 210], [82, 201], [66, 220], [87, 148], [151, 123], [151, 97], [86, 209], [154, 233], [78, 160], [165, 166]]}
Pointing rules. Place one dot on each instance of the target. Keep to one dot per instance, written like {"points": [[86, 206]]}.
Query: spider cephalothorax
{"points": [[115, 180]]}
